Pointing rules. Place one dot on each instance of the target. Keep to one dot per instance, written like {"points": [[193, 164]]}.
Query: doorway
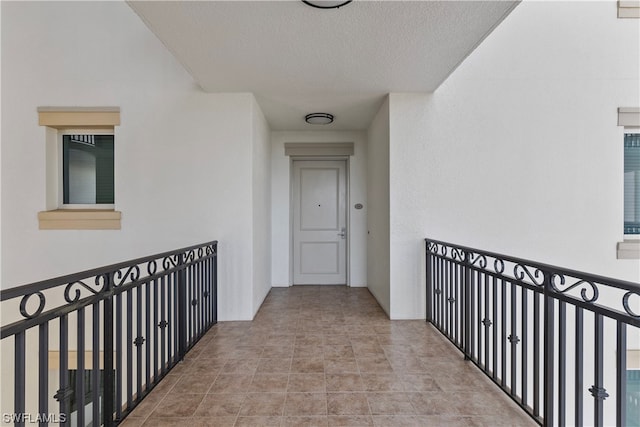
{"points": [[319, 222]]}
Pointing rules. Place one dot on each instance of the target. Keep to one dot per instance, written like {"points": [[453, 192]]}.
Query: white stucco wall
{"points": [[183, 157], [378, 243], [519, 152], [261, 176], [280, 193]]}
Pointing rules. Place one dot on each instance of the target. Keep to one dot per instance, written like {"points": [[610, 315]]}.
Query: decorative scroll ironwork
{"points": [[163, 324], [132, 273], [97, 283], [556, 277], [520, 271], [486, 322], [625, 303], [513, 339], [138, 341], [77, 287], [25, 300], [478, 258], [457, 254]]}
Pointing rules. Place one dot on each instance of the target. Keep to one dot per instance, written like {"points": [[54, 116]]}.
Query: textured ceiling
{"points": [[297, 59]]}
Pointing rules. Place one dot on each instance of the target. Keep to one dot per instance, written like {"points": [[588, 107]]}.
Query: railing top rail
{"points": [[7, 294], [616, 283]]}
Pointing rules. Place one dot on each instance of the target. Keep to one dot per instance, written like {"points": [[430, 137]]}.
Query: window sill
{"points": [[79, 219], [628, 249]]}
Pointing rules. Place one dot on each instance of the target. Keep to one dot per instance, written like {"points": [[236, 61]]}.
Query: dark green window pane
{"points": [[632, 183], [88, 176]]}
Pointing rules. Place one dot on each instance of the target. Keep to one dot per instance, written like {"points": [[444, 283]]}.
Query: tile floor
{"points": [[325, 356]]}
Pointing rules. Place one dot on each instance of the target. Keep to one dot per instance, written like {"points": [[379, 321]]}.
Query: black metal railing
{"points": [[88, 347], [555, 340]]}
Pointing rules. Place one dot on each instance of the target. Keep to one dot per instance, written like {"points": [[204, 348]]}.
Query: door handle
{"points": [[343, 233]]}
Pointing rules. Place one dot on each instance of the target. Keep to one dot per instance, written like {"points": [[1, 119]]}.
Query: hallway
{"points": [[325, 356]]}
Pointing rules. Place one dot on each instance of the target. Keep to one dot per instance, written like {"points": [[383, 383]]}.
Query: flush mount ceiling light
{"points": [[325, 4], [319, 118]]}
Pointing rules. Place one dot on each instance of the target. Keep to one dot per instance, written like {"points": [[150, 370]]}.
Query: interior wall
{"points": [[261, 176], [378, 243], [183, 157], [519, 151], [280, 193]]}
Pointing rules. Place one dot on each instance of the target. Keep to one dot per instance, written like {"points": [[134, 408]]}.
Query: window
{"points": [[80, 153], [87, 170], [632, 183], [629, 118]]}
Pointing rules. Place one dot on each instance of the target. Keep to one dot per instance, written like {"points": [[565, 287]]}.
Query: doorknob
{"points": [[343, 233]]}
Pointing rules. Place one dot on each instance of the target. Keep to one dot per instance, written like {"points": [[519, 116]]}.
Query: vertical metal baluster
{"points": [[138, 342], [64, 390], [440, 297], [579, 385], [147, 343], [451, 286], [621, 374], [95, 365], [487, 341], [478, 319], [495, 328], [503, 341], [429, 275], [536, 353], [202, 288], [119, 384], [109, 377], [549, 321], [176, 319], [525, 345], [19, 376], [597, 390], [562, 361], [188, 308], [156, 325], [208, 281], [166, 317], [467, 306], [514, 335], [129, 349], [445, 297], [215, 283], [171, 318], [80, 371], [471, 313], [43, 371]]}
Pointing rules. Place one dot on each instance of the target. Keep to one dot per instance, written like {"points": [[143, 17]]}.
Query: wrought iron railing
{"points": [[555, 340], [98, 341]]}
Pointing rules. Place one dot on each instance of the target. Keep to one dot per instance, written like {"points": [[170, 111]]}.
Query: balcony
{"points": [[506, 342]]}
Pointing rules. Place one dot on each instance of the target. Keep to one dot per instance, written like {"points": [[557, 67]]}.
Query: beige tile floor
{"points": [[325, 356]]}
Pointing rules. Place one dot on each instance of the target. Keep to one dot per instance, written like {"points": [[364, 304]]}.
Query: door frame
{"points": [[347, 213]]}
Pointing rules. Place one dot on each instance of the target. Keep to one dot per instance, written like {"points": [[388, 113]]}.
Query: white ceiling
{"points": [[298, 60]]}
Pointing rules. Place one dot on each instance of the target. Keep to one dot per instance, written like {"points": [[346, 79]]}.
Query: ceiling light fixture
{"points": [[319, 118], [325, 4]]}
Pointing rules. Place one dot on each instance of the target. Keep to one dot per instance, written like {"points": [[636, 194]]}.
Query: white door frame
{"points": [[348, 211]]}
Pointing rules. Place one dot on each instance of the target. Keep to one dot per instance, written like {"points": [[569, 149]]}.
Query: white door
{"points": [[319, 200]]}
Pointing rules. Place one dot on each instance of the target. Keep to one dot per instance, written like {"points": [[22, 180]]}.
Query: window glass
{"points": [[88, 176], [632, 183]]}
